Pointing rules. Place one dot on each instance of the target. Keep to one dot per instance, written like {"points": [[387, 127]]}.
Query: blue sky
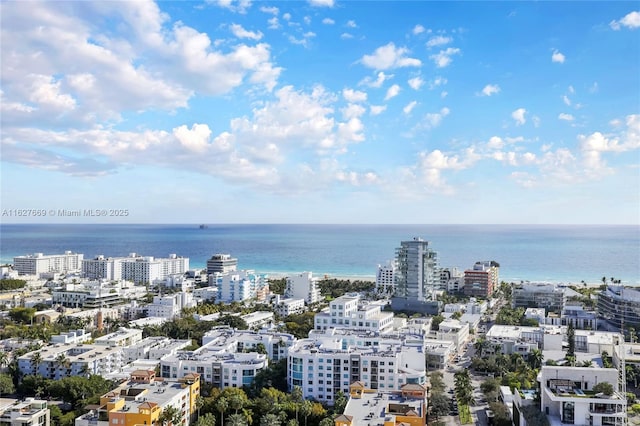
{"points": [[322, 111]]}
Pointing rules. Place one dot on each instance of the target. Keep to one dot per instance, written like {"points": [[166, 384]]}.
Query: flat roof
{"points": [[372, 408]]}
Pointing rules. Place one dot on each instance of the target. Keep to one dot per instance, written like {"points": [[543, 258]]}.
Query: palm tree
{"points": [[170, 416], [237, 420], [222, 405], [207, 419], [63, 362], [305, 409], [297, 397], [4, 360], [199, 404], [535, 359], [270, 419], [236, 402], [36, 360]]}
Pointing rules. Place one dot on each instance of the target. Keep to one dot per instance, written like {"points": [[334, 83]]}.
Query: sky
{"points": [[320, 111]]}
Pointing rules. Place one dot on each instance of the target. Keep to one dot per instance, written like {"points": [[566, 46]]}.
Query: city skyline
{"points": [[321, 112]]}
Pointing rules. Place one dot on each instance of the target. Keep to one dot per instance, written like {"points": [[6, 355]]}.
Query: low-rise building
{"points": [[482, 279], [288, 306], [141, 400], [324, 366], [552, 297], [454, 331], [616, 302], [72, 337], [567, 396], [65, 360], [220, 368], [123, 337], [225, 339], [258, 319], [407, 406], [29, 412], [153, 348], [349, 311]]}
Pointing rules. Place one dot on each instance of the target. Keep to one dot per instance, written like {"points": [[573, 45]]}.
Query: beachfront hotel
{"points": [[39, 263], [221, 263], [136, 268], [482, 279], [303, 286]]}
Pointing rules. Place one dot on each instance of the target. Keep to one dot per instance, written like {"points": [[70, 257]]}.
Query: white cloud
{"points": [[328, 21], [351, 24], [409, 107], [354, 95], [274, 23], [286, 16], [536, 121], [389, 56], [380, 79], [240, 32], [571, 90], [321, 3], [353, 111], [565, 117], [195, 139], [444, 94], [444, 57], [346, 36], [45, 91], [239, 6], [418, 29], [433, 119], [416, 83], [566, 100], [377, 109], [594, 87], [557, 57], [495, 142], [357, 179], [271, 10], [630, 20], [490, 89], [438, 81], [438, 41], [392, 92], [518, 116]]}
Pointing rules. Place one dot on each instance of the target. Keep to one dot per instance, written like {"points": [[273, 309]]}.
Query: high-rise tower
{"points": [[416, 271]]}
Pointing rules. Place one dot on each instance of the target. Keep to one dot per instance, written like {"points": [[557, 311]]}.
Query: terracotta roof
{"points": [[344, 417], [413, 386], [143, 373], [148, 405]]}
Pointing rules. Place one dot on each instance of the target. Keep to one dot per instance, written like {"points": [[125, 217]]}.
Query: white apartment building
{"points": [[136, 268], [226, 339], [240, 286], [220, 368], [121, 338], [454, 331], [322, 367], [169, 306], [65, 360], [153, 348], [348, 311], [285, 307], [72, 337], [39, 263], [385, 283], [303, 286], [30, 412], [567, 396], [258, 319]]}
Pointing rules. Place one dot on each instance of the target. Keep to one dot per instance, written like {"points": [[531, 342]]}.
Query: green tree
{"points": [[340, 402], [270, 419], [22, 315], [6, 385], [170, 416], [206, 419], [603, 387], [305, 410], [237, 420], [4, 360], [463, 388], [439, 405], [222, 405], [535, 359]]}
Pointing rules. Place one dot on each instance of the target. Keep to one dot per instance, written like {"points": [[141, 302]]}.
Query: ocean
{"points": [[549, 253]]}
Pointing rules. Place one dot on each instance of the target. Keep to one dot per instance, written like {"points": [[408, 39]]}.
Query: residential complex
{"points": [[136, 268], [416, 275], [567, 396], [141, 400], [385, 279], [620, 306], [303, 286], [349, 311], [540, 295], [39, 263], [240, 286], [482, 279], [29, 412]]}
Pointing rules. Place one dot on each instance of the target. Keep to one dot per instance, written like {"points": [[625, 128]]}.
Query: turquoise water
{"points": [[538, 253]]}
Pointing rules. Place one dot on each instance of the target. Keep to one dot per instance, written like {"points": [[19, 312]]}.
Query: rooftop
{"points": [[372, 409]]}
